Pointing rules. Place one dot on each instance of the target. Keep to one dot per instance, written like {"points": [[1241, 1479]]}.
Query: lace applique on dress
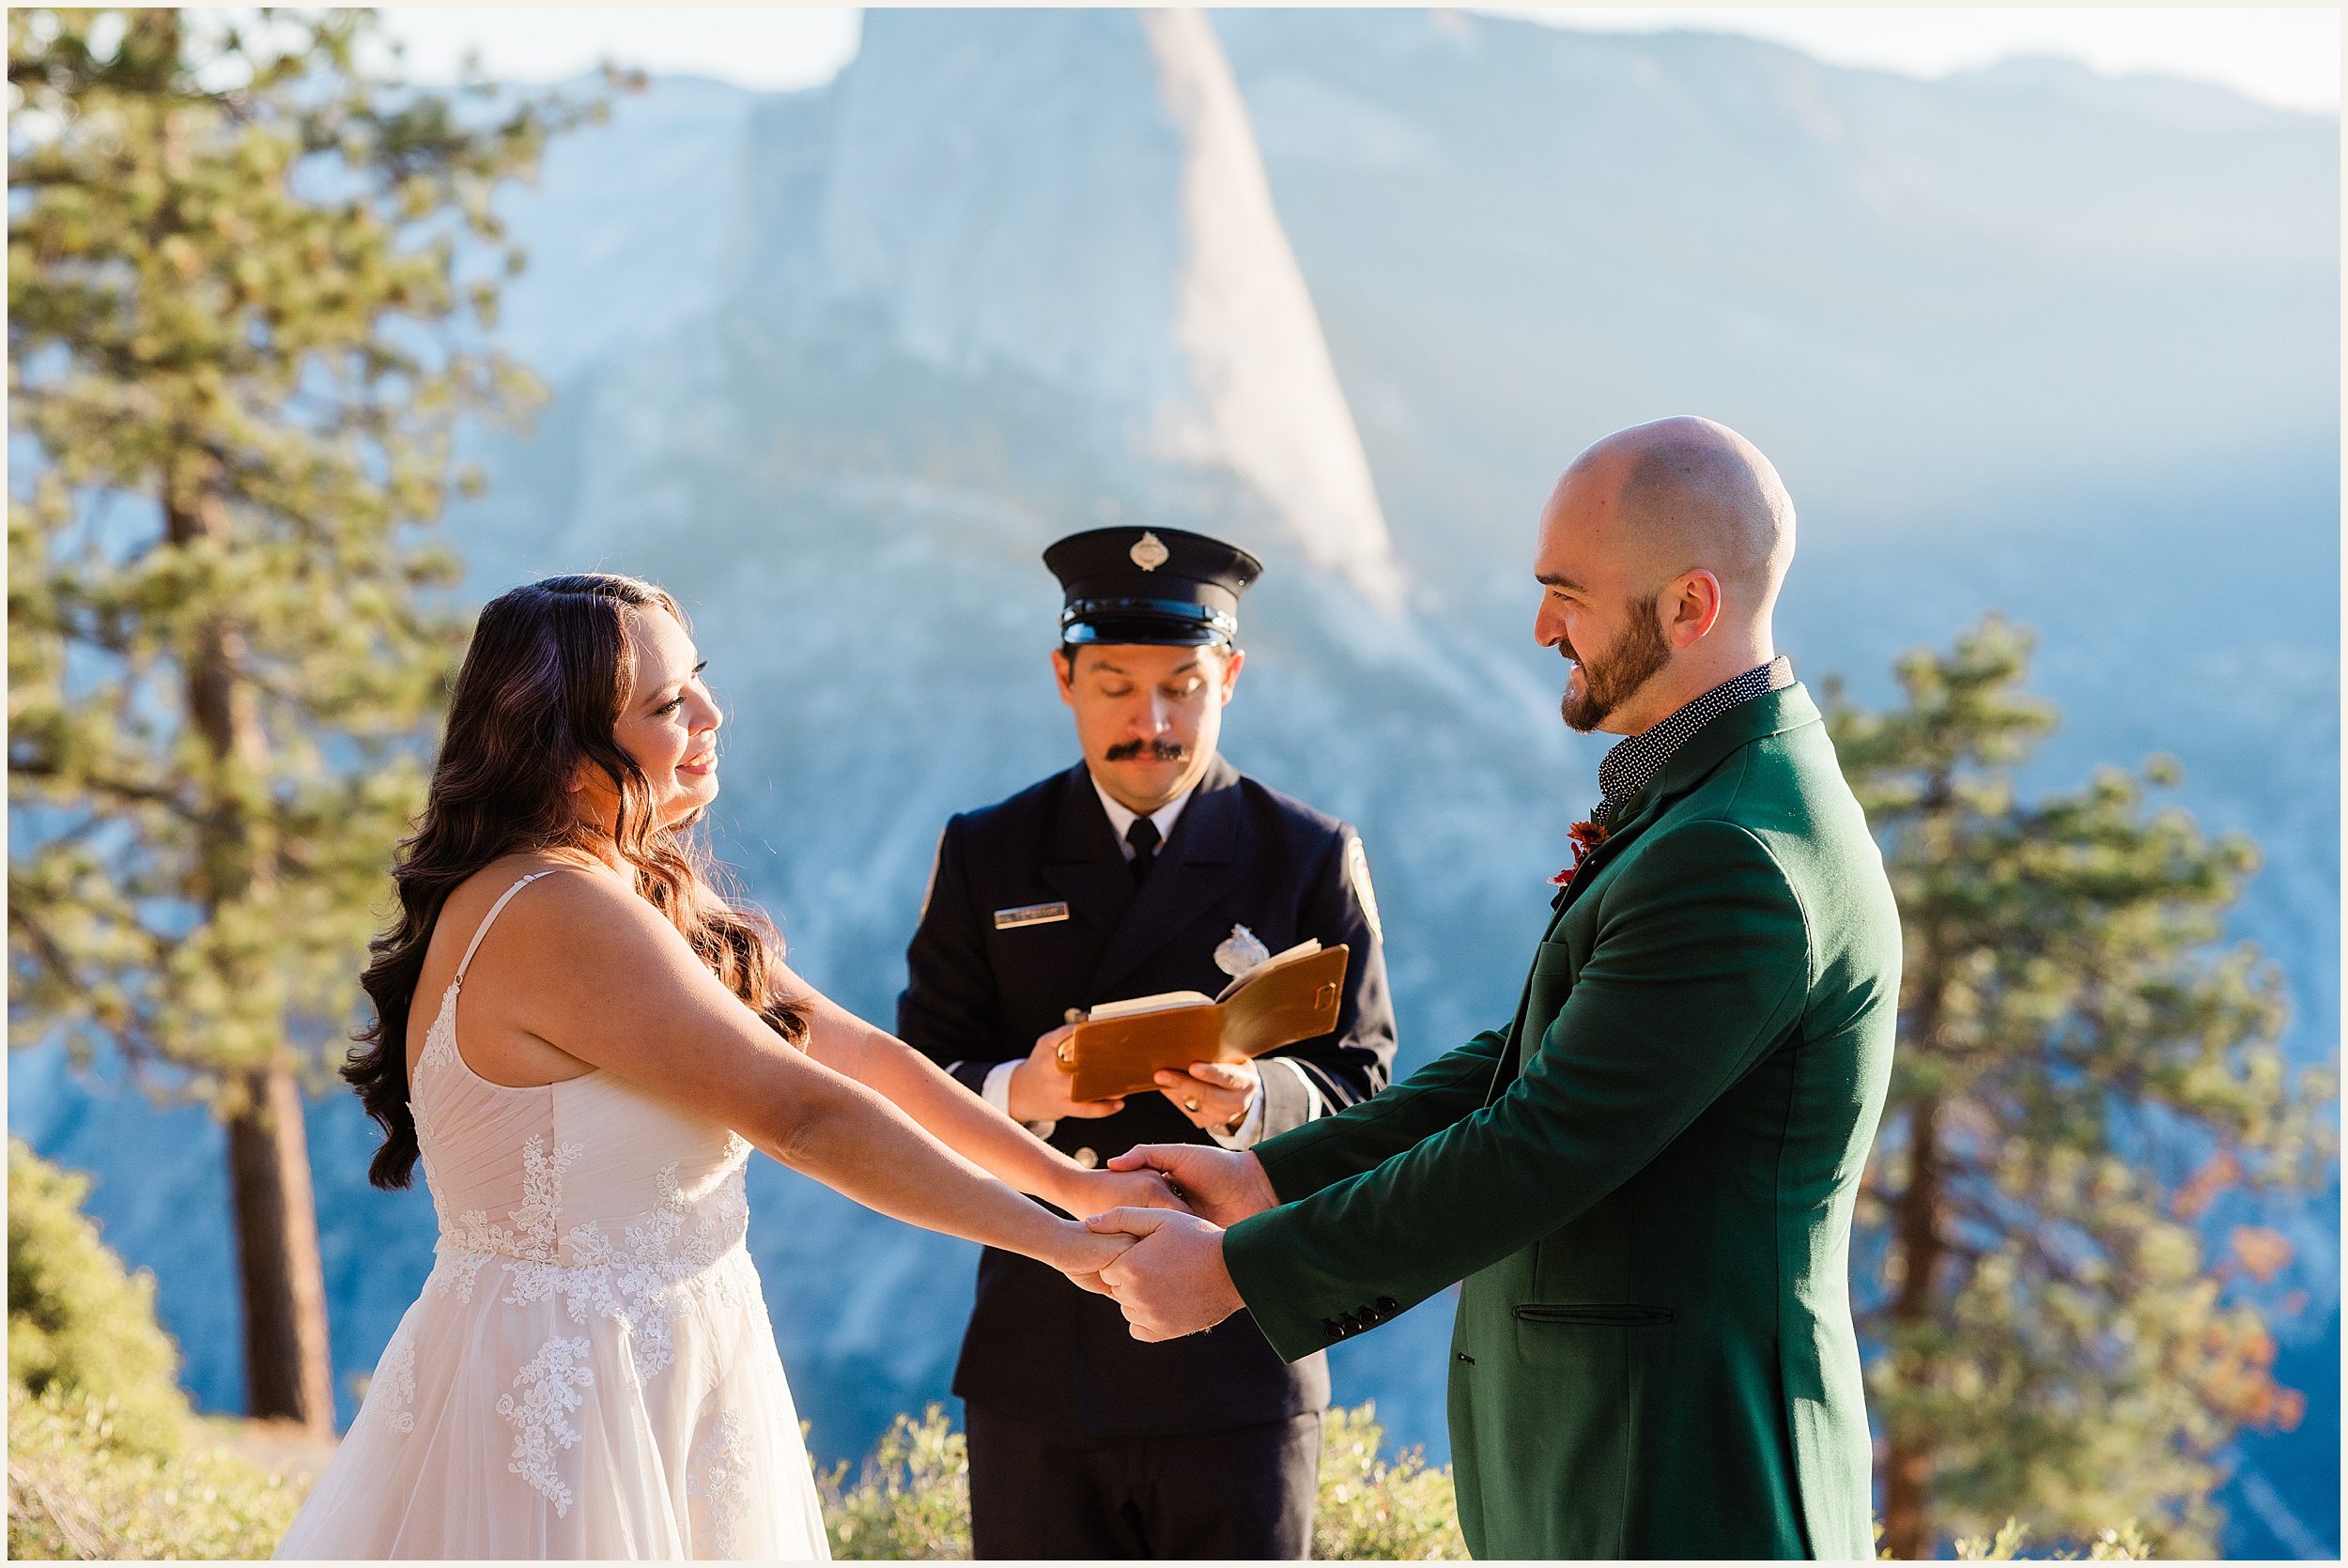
{"points": [[542, 1198], [720, 1478], [549, 1382], [396, 1380], [534, 1231], [427, 1135], [456, 1272], [439, 1041], [639, 1278], [469, 1240]]}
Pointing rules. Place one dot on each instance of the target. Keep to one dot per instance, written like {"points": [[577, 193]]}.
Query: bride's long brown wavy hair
{"points": [[540, 696]]}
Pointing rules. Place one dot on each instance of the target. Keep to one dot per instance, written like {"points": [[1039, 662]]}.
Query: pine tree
{"points": [[2053, 1344], [241, 325]]}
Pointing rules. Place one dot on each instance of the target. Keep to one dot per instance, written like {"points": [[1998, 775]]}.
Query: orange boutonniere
{"points": [[1586, 836]]}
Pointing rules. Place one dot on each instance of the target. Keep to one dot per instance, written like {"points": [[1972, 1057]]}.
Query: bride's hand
{"points": [[1085, 1192], [1081, 1254]]}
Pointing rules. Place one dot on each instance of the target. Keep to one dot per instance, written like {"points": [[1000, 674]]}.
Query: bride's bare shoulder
{"points": [[572, 900], [576, 931], [575, 885]]}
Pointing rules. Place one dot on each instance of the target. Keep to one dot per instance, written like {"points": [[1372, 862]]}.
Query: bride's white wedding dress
{"points": [[589, 1372]]}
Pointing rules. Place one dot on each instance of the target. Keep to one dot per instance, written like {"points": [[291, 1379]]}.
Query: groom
{"points": [[1646, 1179]]}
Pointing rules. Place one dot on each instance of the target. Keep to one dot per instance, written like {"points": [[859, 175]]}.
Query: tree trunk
{"points": [[288, 1368], [1907, 1470]]}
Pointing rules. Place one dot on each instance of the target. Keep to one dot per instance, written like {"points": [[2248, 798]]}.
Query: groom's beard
{"points": [[1610, 682], [1157, 751]]}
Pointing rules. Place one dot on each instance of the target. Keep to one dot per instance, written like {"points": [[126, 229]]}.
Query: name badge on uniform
{"points": [[1029, 915]]}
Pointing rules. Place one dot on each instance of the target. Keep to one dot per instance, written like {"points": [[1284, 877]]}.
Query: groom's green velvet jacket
{"points": [[1645, 1181]]}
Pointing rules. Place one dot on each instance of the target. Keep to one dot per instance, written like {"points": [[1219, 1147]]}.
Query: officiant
{"points": [[1151, 865]]}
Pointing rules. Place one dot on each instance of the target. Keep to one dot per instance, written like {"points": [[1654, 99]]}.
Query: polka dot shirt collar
{"points": [[1631, 765]]}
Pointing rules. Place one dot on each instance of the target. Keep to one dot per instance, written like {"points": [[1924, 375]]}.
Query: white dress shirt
{"points": [[998, 1089], [1122, 821]]}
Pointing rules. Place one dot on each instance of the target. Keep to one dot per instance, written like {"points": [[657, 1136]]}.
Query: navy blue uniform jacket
{"points": [[1038, 1348]]}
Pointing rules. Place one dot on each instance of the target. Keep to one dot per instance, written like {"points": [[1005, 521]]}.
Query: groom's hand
{"points": [[1097, 1192], [1222, 1185], [1172, 1281]]}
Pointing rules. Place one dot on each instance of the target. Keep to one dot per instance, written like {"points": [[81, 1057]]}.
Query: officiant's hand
{"points": [[1172, 1281], [1224, 1186], [1215, 1096], [1039, 1086]]}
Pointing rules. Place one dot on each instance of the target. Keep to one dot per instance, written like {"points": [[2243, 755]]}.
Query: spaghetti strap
{"points": [[495, 909]]}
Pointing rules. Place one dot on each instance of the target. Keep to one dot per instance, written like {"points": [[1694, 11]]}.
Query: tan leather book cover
{"points": [[1278, 1004]]}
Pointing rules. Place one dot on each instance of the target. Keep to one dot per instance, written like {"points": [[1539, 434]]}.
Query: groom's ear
{"points": [[1690, 607], [1064, 672]]}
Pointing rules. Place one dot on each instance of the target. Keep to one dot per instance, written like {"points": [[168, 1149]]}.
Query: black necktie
{"points": [[1143, 836]]}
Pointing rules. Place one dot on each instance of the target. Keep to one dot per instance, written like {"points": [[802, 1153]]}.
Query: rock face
{"points": [[836, 365], [1266, 397], [1076, 196]]}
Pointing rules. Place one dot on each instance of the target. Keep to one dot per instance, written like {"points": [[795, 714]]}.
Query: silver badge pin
{"points": [[1240, 952], [1149, 552]]}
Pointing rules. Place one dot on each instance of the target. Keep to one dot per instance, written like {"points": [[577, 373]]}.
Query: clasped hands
{"points": [[1170, 1278]]}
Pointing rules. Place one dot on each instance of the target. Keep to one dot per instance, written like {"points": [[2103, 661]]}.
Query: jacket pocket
{"points": [[1553, 958], [1552, 983], [1595, 1314]]}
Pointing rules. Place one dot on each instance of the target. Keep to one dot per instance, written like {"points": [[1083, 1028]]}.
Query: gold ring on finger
{"points": [[1191, 1105]]}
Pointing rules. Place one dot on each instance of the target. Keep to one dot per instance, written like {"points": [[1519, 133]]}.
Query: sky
{"points": [[2285, 56]]}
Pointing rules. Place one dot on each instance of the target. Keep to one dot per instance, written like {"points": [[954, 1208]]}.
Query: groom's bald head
{"points": [[1682, 494], [1661, 549]]}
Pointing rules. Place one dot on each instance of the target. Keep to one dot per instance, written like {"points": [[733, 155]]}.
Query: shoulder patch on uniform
{"points": [[930, 886], [1357, 873]]}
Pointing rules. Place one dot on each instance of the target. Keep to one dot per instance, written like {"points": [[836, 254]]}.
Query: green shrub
{"points": [[80, 1324], [1373, 1511], [2125, 1544], [74, 1491], [105, 1459], [912, 1499]]}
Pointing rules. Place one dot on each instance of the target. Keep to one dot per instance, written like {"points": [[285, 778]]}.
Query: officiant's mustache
{"points": [[1157, 751]]}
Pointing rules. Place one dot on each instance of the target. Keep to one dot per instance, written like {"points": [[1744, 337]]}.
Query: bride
{"points": [[590, 1371]]}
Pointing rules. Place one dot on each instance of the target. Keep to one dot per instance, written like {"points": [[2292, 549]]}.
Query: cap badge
{"points": [[1149, 553]]}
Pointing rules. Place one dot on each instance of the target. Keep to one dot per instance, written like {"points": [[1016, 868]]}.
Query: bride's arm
{"points": [[605, 979], [955, 1116]]}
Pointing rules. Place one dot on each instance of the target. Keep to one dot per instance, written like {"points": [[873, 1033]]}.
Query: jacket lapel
{"points": [[1763, 716], [1198, 865], [1083, 865], [1772, 713]]}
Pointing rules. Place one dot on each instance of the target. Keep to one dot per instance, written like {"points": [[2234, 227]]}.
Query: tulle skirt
{"points": [[531, 1410]]}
